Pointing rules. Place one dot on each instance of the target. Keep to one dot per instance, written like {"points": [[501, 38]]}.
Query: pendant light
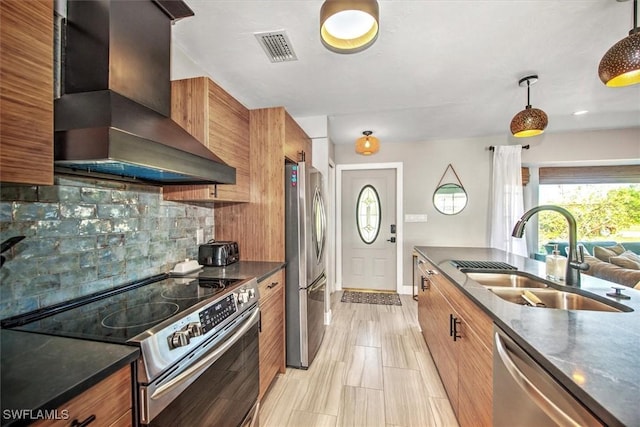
{"points": [[367, 144], [349, 26], [530, 121], [620, 66]]}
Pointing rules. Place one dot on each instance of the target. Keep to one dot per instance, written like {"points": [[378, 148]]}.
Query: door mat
{"points": [[381, 298]]}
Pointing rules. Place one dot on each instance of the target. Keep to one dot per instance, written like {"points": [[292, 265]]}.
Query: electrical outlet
{"points": [[199, 236]]}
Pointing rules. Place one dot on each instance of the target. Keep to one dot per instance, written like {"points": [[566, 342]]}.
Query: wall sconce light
{"points": [[367, 144], [620, 66], [349, 26], [530, 121]]}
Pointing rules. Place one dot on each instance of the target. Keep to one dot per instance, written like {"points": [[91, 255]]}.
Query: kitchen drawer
{"points": [[271, 284], [109, 401]]}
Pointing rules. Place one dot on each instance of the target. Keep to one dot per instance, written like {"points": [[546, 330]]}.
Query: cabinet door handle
{"points": [[450, 324], [89, 420], [424, 282], [456, 322], [272, 285]]}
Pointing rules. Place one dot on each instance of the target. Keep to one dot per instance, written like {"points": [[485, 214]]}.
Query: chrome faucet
{"points": [[575, 262]]}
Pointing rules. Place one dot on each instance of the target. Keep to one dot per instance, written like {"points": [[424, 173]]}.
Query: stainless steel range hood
{"points": [[113, 116]]}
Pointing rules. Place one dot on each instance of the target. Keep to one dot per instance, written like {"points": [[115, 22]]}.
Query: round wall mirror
{"points": [[450, 199]]}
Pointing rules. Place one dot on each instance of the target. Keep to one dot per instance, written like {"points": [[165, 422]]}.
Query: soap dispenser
{"points": [[555, 265], [561, 265]]}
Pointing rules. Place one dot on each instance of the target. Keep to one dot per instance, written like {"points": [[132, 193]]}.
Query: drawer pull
{"points": [[84, 423], [272, 285]]}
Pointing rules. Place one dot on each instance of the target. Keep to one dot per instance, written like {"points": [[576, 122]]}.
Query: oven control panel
{"points": [[217, 313]]}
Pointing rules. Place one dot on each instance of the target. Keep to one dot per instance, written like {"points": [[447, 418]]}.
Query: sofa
{"points": [[609, 260]]}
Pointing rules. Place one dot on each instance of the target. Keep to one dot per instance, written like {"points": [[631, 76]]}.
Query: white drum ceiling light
{"points": [[349, 26]]}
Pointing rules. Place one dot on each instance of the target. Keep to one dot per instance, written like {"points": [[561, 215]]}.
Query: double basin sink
{"points": [[525, 289]]}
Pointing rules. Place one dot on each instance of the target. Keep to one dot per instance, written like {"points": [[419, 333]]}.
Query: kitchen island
{"points": [[591, 353]]}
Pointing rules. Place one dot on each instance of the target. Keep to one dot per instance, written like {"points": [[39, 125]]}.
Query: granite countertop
{"points": [[243, 270], [43, 372], [600, 350]]}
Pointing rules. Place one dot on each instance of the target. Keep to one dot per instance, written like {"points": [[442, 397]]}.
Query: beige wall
{"points": [[424, 164]]}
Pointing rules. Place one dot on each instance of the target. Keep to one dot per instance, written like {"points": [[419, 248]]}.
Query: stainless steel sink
{"points": [[554, 298], [510, 279]]}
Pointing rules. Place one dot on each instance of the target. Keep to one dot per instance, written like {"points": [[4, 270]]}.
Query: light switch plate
{"points": [[415, 218]]}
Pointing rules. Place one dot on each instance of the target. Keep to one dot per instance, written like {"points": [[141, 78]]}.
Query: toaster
{"points": [[218, 253]]}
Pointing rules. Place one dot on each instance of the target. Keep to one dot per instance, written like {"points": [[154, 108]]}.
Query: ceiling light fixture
{"points": [[349, 26], [530, 121], [367, 144], [620, 66]]}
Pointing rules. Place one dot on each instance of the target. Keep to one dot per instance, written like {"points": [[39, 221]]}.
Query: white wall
{"points": [[424, 164]]}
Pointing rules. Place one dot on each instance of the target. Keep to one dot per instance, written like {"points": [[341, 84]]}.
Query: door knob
{"points": [[392, 240]]}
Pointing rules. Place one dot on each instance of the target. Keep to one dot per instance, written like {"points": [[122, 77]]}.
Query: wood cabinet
{"points": [[221, 123], [26, 91], [258, 226], [297, 145], [109, 402], [272, 339], [458, 334]]}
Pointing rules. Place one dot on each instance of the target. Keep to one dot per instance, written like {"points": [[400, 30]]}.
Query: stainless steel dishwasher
{"points": [[526, 395]]}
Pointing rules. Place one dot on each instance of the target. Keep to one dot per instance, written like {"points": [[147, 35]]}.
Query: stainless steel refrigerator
{"points": [[305, 237]]}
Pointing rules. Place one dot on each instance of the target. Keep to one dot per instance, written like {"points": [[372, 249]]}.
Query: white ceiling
{"points": [[439, 69]]}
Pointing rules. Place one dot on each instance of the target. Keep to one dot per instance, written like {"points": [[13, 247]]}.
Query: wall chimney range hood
{"points": [[113, 115]]}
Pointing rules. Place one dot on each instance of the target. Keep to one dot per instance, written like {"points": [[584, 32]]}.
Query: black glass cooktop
{"points": [[120, 317]]}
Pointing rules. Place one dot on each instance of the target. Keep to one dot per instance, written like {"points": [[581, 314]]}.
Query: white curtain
{"points": [[507, 200]]}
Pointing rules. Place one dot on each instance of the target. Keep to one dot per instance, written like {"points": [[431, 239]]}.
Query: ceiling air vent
{"points": [[277, 46]]}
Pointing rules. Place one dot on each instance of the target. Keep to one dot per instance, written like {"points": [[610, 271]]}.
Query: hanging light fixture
{"points": [[530, 121], [367, 144], [620, 66], [349, 26]]}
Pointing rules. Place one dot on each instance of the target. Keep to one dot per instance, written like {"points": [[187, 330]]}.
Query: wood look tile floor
{"points": [[373, 370]]}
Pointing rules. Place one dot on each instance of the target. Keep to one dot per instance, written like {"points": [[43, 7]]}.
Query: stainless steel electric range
{"points": [[198, 339]]}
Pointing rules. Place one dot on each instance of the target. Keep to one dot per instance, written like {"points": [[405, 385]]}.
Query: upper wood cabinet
{"points": [[258, 227], [221, 123], [26, 91], [297, 145]]}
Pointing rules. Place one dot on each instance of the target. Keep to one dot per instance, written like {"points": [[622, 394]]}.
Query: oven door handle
{"points": [[207, 360]]}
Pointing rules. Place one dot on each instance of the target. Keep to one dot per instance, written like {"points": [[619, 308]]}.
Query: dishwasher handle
{"points": [[543, 402]]}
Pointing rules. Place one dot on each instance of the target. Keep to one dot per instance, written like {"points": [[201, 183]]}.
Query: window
{"points": [[604, 200], [368, 214]]}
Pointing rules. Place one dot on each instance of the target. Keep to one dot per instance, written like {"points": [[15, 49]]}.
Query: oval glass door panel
{"points": [[319, 224], [368, 214], [450, 199]]}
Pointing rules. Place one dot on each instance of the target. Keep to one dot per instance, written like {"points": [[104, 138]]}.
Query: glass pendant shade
{"points": [[367, 145], [620, 66], [530, 121], [349, 26]]}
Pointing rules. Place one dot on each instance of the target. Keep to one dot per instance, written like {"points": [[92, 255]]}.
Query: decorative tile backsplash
{"points": [[85, 235]]}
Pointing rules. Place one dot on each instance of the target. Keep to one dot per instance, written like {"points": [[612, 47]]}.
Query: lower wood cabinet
{"points": [[272, 339], [108, 403], [458, 334]]}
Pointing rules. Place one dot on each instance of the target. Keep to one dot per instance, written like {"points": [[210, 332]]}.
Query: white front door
{"points": [[368, 217]]}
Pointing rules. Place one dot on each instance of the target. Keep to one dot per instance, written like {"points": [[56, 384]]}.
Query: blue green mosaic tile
{"points": [[77, 211], [85, 235], [35, 211]]}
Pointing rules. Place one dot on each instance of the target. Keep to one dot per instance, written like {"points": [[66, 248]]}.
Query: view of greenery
{"points": [[602, 212]]}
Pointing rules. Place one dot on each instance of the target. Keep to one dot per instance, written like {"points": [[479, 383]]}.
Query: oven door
{"points": [[217, 384]]}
